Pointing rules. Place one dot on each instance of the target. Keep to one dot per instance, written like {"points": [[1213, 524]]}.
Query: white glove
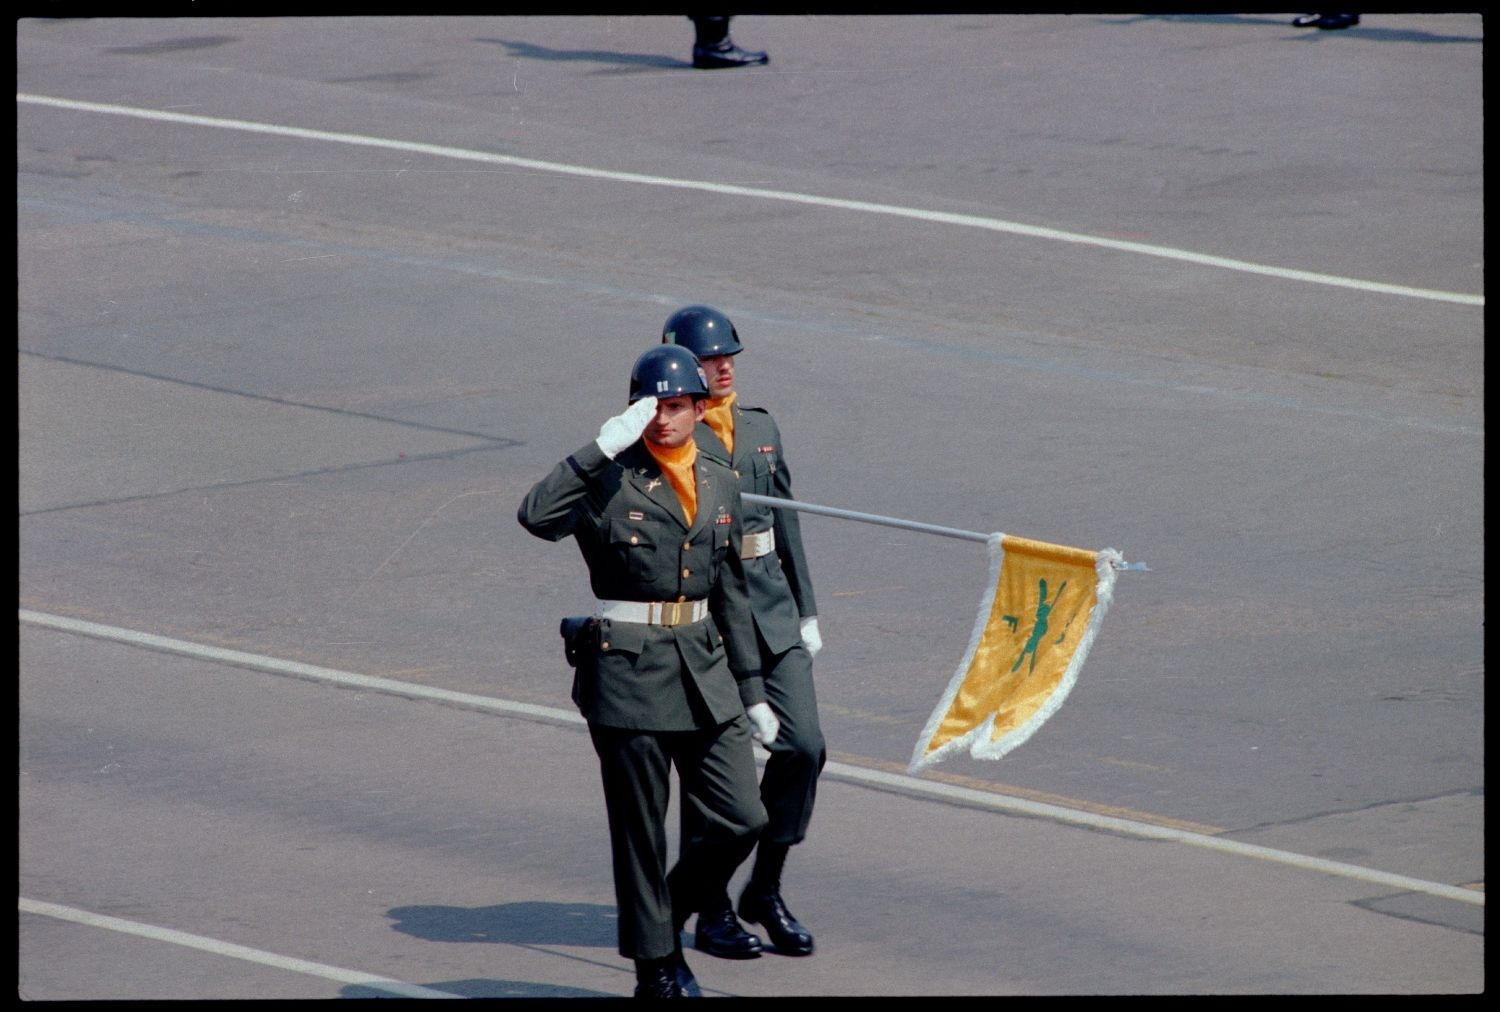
{"points": [[810, 637], [624, 429], [764, 721]]}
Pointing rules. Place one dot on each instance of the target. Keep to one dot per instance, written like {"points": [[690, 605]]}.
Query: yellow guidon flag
{"points": [[1035, 626]]}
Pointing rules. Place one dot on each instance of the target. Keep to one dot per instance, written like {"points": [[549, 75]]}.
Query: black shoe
{"points": [[719, 934], [770, 912], [657, 978], [686, 982], [726, 54], [1327, 22]]}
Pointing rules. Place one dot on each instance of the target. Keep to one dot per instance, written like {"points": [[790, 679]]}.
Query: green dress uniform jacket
{"points": [[781, 592], [638, 545]]}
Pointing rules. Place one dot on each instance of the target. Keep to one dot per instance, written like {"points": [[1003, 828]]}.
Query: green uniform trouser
{"points": [[790, 784], [717, 770]]}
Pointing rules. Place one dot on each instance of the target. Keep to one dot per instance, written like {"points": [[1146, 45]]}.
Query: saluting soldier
{"points": [[786, 634], [668, 674]]}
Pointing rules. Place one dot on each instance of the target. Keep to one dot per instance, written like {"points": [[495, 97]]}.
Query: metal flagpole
{"points": [[910, 525], [869, 518]]}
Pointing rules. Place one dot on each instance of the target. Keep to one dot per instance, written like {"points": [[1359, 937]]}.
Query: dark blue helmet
{"points": [[703, 330], [667, 371]]}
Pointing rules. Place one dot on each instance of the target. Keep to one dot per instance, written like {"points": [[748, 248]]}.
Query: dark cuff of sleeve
{"points": [[752, 689], [588, 461]]}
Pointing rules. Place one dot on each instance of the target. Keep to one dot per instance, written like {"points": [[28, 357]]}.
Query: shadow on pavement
{"points": [[486, 989], [531, 51], [530, 923]]}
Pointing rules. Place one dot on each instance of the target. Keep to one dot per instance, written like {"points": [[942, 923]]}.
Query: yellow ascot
{"points": [[677, 465], [720, 418]]}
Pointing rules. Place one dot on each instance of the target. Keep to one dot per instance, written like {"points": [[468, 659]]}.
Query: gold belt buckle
{"points": [[676, 614]]}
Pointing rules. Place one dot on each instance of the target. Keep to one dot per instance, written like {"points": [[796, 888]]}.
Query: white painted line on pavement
{"points": [[971, 796], [839, 771], [728, 189], [220, 948], [296, 669]]}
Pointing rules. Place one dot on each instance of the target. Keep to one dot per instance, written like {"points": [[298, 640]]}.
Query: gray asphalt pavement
{"points": [[306, 305]]}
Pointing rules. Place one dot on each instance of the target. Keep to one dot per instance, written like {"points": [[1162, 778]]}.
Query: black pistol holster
{"points": [[580, 635]]}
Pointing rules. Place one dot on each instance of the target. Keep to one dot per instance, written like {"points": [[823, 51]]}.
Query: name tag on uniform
{"points": [[637, 515]]}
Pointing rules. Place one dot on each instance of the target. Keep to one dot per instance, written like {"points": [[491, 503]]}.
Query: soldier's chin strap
{"points": [[1115, 561]]}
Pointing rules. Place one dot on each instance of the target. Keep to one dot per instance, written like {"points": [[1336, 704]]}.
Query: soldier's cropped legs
{"points": [[722, 811], [709, 29], [718, 776], [789, 786], [636, 770]]}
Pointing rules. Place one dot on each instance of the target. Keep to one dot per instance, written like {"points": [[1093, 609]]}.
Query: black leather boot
{"points": [[727, 54], [1327, 22], [719, 934], [768, 910], [713, 49], [657, 978]]}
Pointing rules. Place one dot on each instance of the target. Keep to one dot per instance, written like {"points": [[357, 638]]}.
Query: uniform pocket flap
{"points": [[626, 637]]}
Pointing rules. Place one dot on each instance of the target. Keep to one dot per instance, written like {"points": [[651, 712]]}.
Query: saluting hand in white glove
{"points": [[764, 722], [626, 427], [810, 637]]}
